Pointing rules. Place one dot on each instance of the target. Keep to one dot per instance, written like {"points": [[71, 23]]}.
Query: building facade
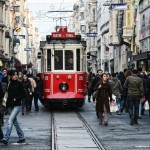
{"points": [[18, 36]]}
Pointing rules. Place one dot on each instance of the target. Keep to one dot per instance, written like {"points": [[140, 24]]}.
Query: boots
{"points": [[22, 111]]}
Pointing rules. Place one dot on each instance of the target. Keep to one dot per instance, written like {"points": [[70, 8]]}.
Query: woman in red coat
{"points": [[104, 94]]}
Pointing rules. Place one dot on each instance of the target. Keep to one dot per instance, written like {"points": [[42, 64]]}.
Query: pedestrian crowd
{"points": [[128, 91], [20, 89]]}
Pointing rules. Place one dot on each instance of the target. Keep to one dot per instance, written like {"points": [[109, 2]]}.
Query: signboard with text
{"points": [[62, 34], [119, 6]]}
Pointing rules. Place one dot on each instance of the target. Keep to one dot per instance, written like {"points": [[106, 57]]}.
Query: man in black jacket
{"points": [[38, 93], [15, 95]]}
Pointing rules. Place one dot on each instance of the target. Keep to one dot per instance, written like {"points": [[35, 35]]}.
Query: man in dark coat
{"points": [[38, 93], [134, 84]]}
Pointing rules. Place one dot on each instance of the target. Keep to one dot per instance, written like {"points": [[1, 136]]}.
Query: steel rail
{"points": [[90, 131], [54, 144]]}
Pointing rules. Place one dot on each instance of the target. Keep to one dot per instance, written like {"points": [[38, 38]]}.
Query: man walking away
{"points": [[38, 93], [134, 84], [116, 88]]}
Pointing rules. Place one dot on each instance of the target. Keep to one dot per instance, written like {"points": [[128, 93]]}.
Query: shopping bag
{"points": [[146, 105], [5, 99], [95, 94], [113, 106], [114, 98]]}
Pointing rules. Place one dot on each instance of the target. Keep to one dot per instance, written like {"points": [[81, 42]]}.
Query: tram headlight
{"points": [[69, 77], [63, 86]]}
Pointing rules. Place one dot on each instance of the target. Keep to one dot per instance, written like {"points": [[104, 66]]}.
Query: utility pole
{"points": [[27, 45]]}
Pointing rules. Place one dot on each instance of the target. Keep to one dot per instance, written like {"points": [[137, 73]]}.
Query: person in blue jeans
{"points": [[15, 95]]}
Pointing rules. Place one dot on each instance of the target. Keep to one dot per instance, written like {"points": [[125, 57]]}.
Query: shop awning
{"points": [[17, 62], [142, 56]]}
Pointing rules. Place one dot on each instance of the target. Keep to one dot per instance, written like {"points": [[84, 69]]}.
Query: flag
{"points": [[106, 48]]}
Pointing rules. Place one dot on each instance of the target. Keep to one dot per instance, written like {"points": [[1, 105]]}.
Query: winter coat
{"points": [[15, 93], [116, 86], [104, 93], [134, 85], [39, 87], [27, 88], [95, 81]]}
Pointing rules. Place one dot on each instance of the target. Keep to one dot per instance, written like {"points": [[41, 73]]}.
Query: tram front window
{"points": [[48, 60], [69, 60], [58, 59]]}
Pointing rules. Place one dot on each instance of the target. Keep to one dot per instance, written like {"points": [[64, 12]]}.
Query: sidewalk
{"points": [[36, 127]]}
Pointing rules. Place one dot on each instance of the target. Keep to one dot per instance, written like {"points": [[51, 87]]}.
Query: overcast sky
{"points": [[44, 21]]}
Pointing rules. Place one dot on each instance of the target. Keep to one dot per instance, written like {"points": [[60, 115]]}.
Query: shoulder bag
{"points": [[4, 101]]}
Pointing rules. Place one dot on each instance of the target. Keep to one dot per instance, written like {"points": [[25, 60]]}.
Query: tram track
{"points": [[73, 128], [90, 131]]}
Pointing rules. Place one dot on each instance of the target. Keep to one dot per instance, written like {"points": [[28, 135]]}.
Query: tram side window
{"points": [[69, 60], [49, 60], [78, 59], [58, 59]]}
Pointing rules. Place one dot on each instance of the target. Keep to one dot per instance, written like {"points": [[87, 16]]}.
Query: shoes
{"points": [[89, 101], [121, 109], [119, 113], [105, 123], [21, 141], [4, 142], [135, 122], [36, 110], [100, 123], [131, 122]]}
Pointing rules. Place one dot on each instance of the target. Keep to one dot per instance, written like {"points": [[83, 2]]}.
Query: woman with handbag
{"points": [[103, 96], [15, 95]]}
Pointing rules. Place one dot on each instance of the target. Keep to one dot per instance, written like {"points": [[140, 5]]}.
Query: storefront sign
{"points": [[142, 56], [129, 15], [127, 31], [119, 6]]}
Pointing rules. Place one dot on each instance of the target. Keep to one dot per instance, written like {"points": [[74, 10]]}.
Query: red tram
{"points": [[64, 69]]}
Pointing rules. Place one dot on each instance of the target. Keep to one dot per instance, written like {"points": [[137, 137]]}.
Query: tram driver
{"points": [[58, 63], [70, 64]]}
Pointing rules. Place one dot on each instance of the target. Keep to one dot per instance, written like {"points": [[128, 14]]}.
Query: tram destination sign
{"points": [[63, 33]]}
